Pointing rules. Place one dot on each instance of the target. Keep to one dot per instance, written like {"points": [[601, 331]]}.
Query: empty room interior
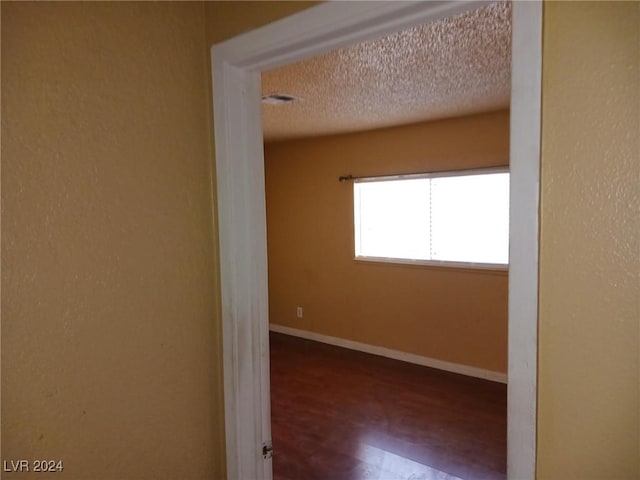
{"points": [[387, 187], [114, 323]]}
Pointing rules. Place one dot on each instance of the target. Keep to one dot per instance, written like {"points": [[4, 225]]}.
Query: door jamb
{"points": [[236, 66]]}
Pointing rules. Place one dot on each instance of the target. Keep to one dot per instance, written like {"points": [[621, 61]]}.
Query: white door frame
{"points": [[236, 65]]}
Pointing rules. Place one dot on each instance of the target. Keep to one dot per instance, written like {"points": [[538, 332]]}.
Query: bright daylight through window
{"points": [[460, 217]]}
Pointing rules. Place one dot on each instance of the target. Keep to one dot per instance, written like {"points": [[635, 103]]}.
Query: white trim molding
{"points": [[243, 269], [330, 26], [394, 354], [526, 94], [236, 65]]}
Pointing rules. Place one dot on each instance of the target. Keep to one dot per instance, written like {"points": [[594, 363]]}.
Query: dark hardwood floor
{"points": [[344, 415]]}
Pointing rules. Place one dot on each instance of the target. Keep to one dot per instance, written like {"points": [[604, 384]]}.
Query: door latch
{"points": [[267, 450]]}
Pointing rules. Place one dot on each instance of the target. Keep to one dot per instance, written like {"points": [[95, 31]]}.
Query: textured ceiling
{"points": [[456, 66]]}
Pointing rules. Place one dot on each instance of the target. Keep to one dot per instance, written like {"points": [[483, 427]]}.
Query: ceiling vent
{"points": [[278, 99]]}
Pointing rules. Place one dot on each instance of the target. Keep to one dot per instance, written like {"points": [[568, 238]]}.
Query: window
{"points": [[460, 217]]}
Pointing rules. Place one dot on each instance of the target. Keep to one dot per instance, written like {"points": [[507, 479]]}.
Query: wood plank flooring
{"points": [[338, 414]]}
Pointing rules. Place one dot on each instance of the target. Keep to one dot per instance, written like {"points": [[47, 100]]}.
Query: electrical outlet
{"points": [[299, 312]]}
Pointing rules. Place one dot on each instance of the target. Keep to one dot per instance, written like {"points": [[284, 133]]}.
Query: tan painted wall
{"points": [[589, 399], [110, 358], [110, 316], [226, 19], [453, 315]]}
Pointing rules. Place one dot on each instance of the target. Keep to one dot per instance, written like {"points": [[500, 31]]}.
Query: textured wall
{"points": [[453, 315], [109, 319], [589, 377], [226, 19]]}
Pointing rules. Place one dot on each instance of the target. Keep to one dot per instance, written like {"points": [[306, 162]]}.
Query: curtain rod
{"points": [[346, 178], [442, 173]]}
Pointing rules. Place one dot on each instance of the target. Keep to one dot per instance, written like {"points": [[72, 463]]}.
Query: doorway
{"points": [[241, 207]]}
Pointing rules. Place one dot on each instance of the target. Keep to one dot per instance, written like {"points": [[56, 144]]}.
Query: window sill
{"points": [[489, 268]]}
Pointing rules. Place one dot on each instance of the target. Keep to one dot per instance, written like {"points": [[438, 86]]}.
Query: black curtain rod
{"points": [[346, 178]]}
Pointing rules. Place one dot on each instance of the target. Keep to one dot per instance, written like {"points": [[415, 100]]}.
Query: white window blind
{"points": [[458, 217]]}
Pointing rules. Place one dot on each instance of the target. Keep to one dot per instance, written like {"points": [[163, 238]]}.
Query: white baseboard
{"points": [[394, 354]]}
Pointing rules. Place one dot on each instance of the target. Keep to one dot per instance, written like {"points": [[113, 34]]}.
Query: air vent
{"points": [[278, 99]]}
